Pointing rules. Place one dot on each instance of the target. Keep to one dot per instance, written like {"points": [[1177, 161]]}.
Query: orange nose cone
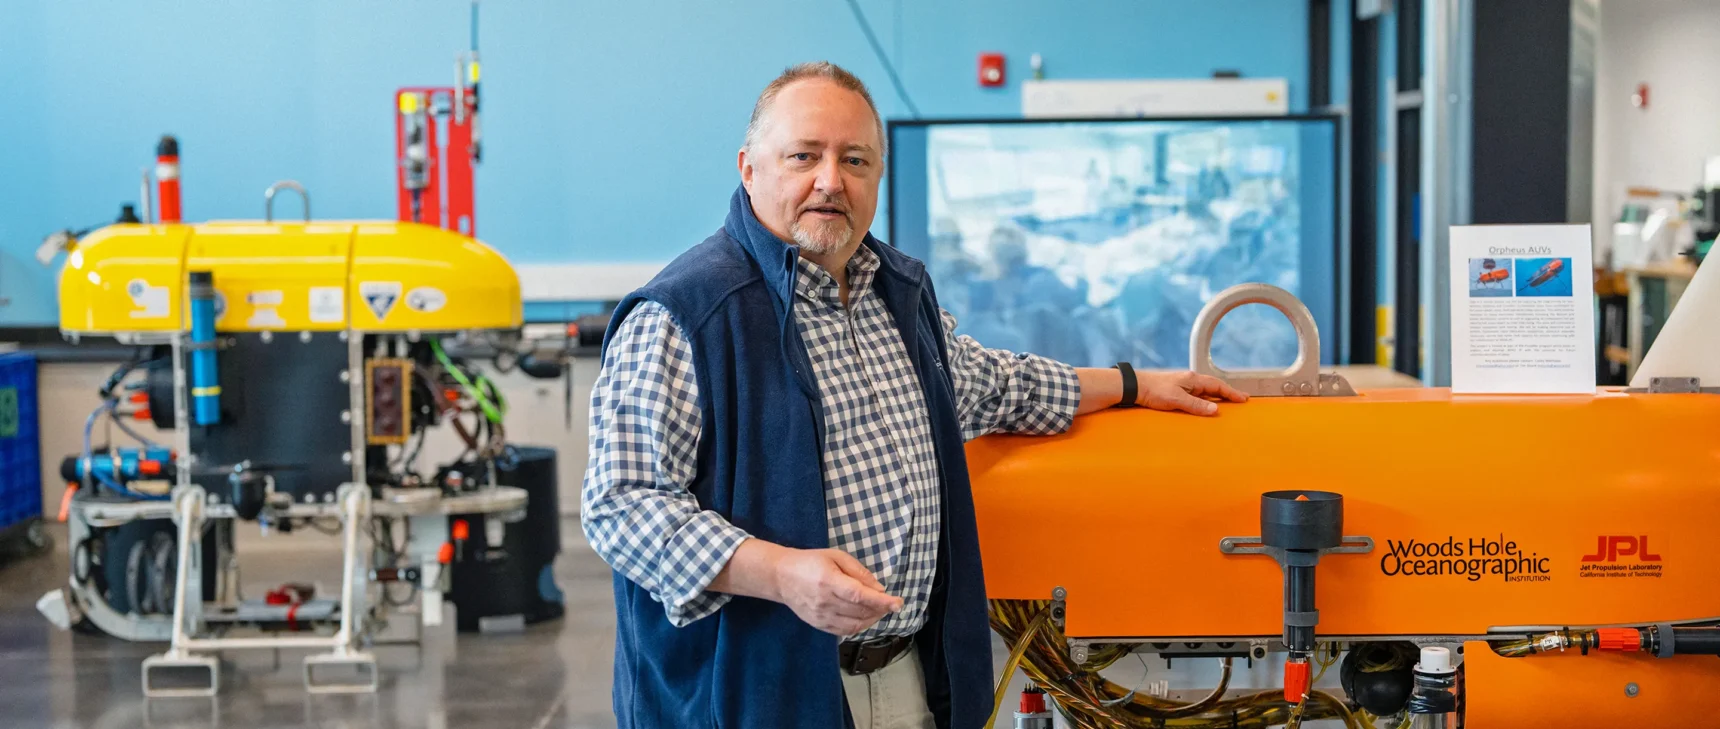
{"points": [[1301, 497]]}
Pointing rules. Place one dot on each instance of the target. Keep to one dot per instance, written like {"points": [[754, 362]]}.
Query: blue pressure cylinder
{"points": [[128, 460], [134, 464], [205, 381]]}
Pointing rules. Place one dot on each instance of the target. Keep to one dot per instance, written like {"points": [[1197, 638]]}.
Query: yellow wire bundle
{"points": [[1089, 701]]}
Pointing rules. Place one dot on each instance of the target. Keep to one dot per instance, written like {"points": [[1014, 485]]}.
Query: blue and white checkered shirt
{"points": [[880, 470]]}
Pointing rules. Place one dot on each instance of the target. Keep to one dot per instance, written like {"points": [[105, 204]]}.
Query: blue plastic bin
{"points": [[20, 444]]}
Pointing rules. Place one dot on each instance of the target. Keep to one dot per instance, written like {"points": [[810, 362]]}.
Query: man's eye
{"points": [[801, 156], [856, 161]]}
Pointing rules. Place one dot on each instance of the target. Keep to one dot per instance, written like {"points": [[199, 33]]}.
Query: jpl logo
{"points": [[1610, 549]]}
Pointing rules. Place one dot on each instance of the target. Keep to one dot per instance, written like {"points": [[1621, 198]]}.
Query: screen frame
{"points": [[1340, 282]]}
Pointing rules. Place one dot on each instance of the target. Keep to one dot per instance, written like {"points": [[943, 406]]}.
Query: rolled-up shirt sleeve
{"points": [[636, 508], [998, 391]]}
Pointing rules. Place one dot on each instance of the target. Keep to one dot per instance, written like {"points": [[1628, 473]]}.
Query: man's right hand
{"points": [[827, 588], [831, 591]]}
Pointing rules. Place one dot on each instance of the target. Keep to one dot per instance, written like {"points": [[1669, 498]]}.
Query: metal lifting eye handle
{"points": [[1301, 379], [269, 199]]}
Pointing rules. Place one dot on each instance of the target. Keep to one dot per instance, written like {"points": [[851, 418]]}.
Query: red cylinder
{"points": [[1296, 681], [167, 178], [1619, 639]]}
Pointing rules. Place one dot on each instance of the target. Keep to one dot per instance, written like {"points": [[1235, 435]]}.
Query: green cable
{"points": [[495, 393], [490, 410]]}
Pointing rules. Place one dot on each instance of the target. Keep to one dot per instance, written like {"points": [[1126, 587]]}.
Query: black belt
{"points": [[859, 658]]}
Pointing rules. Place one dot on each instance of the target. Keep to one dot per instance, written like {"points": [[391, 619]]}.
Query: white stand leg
{"points": [[354, 606], [179, 660]]}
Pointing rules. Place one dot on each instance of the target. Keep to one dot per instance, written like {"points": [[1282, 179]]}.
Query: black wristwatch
{"points": [[1131, 388]]}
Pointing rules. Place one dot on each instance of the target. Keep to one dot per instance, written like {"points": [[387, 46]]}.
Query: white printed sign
{"points": [[426, 299], [151, 301], [1522, 309], [265, 318], [327, 304], [263, 315]]}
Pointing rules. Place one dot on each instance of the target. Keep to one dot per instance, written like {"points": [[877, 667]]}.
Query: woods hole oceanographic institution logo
{"points": [[1471, 558]]}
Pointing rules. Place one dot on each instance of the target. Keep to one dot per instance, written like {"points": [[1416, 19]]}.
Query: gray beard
{"points": [[822, 238]]}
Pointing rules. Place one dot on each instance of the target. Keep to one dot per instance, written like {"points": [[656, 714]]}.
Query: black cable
{"points": [[82, 563], [388, 595], [162, 566], [889, 68], [313, 523], [137, 578]]}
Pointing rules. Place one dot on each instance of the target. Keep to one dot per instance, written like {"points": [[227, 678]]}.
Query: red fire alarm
{"points": [[991, 69]]}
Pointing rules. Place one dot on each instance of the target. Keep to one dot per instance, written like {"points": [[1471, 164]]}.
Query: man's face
{"points": [[813, 172]]}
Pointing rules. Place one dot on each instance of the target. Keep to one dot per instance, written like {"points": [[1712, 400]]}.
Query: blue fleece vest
{"points": [[755, 664]]}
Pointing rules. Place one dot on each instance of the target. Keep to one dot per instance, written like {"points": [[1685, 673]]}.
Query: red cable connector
{"points": [[1295, 680], [1619, 639]]}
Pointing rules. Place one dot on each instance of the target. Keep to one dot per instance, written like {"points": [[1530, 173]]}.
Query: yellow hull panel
{"points": [[396, 287], [322, 276], [274, 277], [125, 278]]}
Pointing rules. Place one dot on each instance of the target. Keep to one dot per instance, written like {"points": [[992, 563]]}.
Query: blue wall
{"points": [[610, 128]]}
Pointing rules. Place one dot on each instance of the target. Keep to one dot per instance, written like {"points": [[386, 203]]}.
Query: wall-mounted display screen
{"points": [[1098, 241]]}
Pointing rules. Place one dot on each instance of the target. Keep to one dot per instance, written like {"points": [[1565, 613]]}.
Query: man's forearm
{"points": [[1101, 387], [752, 571]]}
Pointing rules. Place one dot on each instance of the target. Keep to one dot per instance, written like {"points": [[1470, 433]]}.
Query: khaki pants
{"points": [[892, 697]]}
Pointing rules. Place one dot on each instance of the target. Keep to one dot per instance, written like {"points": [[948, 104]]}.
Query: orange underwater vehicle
{"points": [[1573, 582]]}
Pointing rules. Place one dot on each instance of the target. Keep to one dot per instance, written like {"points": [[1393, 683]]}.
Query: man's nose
{"points": [[829, 179]]}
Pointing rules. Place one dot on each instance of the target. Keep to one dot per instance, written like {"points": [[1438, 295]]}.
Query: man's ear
{"points": [[746, 169]]}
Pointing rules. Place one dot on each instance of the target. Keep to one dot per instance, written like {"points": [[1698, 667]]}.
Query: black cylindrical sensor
{"points": [[1301, 520], [1299, 599]]}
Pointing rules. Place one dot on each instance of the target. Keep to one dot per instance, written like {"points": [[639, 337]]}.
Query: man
{"points": [[777, 472]]}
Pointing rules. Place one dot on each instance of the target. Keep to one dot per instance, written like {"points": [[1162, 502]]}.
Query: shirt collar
{"points": [[815, 284]]}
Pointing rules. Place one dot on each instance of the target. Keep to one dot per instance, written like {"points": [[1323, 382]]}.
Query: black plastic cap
{"points": [[1302, 520], [167, 147], [202, 277], [69, 469], [127, 214]]}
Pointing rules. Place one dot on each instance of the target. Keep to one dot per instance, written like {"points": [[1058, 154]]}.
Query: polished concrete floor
{"points": [[555, 674]]}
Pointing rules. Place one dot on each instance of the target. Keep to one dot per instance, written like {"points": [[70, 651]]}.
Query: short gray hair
{"points": [[800, 72]]}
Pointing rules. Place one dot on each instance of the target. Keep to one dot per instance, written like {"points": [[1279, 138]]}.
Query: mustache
{"points": [[834, 203]]}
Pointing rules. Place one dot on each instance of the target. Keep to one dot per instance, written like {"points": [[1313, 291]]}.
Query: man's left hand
{"points": [[1185, 391]]}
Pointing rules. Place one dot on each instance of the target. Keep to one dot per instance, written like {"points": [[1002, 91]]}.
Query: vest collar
{"points": [[776, 257]]}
